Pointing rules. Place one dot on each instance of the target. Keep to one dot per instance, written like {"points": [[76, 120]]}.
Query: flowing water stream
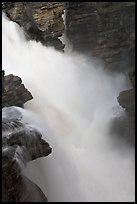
{"points": [[75, 101]]}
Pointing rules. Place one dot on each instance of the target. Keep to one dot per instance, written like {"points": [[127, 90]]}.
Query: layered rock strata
{"points": [[41, 21], [105, 30]]}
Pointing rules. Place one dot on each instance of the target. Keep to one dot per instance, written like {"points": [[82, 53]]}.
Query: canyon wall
{"points": [[105, 30], [41, 21]]}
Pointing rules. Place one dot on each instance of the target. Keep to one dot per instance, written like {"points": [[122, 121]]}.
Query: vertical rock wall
{"points": [[104, 29]]}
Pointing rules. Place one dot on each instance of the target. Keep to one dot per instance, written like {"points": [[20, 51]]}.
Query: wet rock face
{"points": [[24, 190], [125, 125], [42, 21], [26, 140], [126, 99], [105, 30], [14, 92], [21, 143]]}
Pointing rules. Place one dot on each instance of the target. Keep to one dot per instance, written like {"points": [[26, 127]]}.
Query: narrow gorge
{"points": [[68, 101]]}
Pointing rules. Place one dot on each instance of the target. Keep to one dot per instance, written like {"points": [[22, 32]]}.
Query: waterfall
{"points": [[75, 100]]}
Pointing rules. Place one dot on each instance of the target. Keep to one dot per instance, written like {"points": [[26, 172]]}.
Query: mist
{"points": [[75, 102]]}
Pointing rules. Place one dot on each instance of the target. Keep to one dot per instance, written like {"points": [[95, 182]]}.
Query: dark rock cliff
{"points": [[105, 30], [14, 92], [126, 99], [42, 21], [124, 125], [20, 189], [21, 143]]}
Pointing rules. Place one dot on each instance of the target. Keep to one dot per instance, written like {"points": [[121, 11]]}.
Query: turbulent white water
{"points": [[76, 101]]}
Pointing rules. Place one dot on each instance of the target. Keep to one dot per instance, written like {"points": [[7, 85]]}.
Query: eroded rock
{"points": [[41, 21], [105, 30], [21, 189], [21, 143], [125, 124], [14, 92], [126, 98]]}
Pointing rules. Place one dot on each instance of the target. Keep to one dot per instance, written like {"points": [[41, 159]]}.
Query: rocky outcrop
{"points": [[124, 126], [21, 143], [14, 92], [105, 30], [127, 99], [42, 21]]}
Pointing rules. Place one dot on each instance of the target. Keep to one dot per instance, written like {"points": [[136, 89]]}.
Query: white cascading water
{"points": [[75, 100]]}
